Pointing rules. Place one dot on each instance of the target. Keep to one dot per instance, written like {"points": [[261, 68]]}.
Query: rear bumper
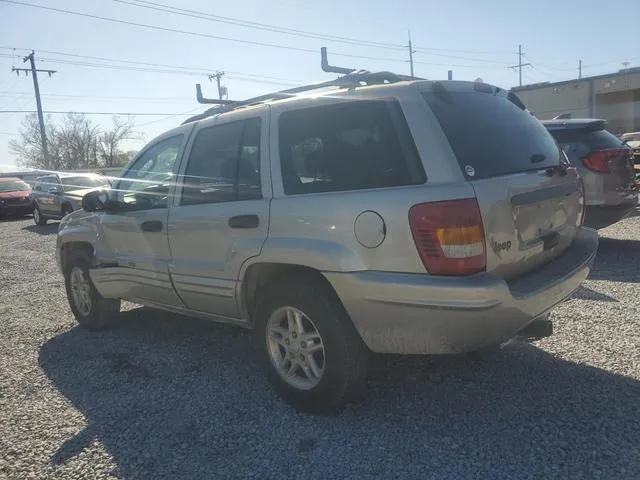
{"points": [[424, 314]]}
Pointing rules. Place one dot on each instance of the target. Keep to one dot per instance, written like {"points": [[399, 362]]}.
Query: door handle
{"points": [[151, 226], [244, 221]]}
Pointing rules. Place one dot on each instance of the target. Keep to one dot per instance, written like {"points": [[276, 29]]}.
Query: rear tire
{"points": [[336, 347], [92, 310], [38, 218]]}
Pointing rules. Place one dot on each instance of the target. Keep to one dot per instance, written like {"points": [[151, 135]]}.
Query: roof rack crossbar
{"points": [[202, 99], [324, 63], [352, 78]]}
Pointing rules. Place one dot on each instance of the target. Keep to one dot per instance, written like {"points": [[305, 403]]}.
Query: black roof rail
{"points": [[352, 79]]}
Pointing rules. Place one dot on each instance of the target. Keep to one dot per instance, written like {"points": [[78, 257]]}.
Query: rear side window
{"points": [[347, 146], [224, 164], [490, 135]]}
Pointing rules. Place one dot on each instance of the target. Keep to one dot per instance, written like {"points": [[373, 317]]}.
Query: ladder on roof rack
{"points": [[352, 78]]}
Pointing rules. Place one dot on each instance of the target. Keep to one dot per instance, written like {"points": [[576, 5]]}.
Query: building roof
{"points": [[535, 86]]}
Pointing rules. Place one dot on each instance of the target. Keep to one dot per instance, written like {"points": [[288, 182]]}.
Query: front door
{"points": [[135, 246], [221, 211], [49, 195]]}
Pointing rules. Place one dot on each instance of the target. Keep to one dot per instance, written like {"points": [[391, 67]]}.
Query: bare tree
{"points": [[75, 143], [29, 147], [109, 142]]}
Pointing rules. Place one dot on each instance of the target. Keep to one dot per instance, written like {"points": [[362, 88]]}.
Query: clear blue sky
{"points": [[473, 38]]}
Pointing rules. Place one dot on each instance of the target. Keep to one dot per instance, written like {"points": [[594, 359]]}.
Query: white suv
{"points": [[372, 214]]}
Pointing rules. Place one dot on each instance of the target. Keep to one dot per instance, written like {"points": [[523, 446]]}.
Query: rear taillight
{"points": [[599, 161], [581, 202], [449, 236]]}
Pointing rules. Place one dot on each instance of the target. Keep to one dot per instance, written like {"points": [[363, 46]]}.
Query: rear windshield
{"points": [[594, 140], [490, 135]]}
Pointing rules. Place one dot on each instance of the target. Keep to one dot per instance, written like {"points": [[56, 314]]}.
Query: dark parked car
{"points": [[15, 197], [605, 165], [59, 194]]}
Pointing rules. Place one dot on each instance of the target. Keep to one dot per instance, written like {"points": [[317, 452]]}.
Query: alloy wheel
{"points": [[295, 348], [80, 291]]}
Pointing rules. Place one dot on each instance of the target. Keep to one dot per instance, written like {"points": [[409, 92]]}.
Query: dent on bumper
{"points": [[424, 314]]}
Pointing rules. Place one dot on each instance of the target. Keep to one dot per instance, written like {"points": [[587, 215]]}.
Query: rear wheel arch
{"points": [[260, 275]]}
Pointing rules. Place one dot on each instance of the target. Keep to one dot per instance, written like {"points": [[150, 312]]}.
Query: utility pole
{"points": [[520, 65], [411, 52], [217, 76], [579, 68], [34, 72]]}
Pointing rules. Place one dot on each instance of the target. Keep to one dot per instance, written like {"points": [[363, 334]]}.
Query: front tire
{"points": [[91, 309], [38, 218], [310, 351]]}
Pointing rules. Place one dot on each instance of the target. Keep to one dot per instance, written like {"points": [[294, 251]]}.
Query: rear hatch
{"points": [[600, 152], [530, 199]]}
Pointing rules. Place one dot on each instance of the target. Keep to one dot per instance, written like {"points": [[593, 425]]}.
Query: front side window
{"points": [[147, 183], [347, 146], [224, 164]]}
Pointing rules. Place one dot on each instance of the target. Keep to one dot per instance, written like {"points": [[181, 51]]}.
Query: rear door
{"points": [[529, 198], [221, 214]]}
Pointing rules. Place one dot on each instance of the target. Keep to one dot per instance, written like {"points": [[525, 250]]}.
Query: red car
{"points": [[15, 197]]}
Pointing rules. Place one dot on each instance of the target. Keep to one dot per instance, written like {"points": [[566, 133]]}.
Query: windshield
{"points": [[491, 135], [78, 183], [14, 186]]}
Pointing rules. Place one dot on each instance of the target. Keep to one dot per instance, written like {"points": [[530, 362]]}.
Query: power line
{"points": [[161, 65], [255, 25], [186, 32], [190, 112], [483, 60], [95, 97], [92, 113], [295, 32], [219, 37], [232, 74]]}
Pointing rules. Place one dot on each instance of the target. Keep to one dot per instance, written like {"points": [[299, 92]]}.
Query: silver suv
{"points": [[411, 217], [58, 194]]}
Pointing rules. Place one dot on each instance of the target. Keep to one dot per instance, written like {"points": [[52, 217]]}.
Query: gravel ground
{"points": [[163, 396]]}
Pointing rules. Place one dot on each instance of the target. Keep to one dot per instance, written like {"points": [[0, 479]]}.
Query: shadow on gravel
{"points": [[48, 229], [584, 293], [618, 260], [172, 397]]}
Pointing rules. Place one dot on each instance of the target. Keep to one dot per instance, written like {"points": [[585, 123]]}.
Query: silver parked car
{"points": [[605, 164], [411, 217], [58, 194]]}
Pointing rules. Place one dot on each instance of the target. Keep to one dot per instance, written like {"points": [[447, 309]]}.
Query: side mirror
{"points": [[95, 201], [55, 190]]}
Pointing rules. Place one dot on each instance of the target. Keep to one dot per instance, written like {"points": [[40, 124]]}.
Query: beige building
{"points": [[614, 97]]}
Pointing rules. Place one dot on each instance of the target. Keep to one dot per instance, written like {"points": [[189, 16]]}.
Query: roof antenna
{"points": [[214, 101], [324, 63]]}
